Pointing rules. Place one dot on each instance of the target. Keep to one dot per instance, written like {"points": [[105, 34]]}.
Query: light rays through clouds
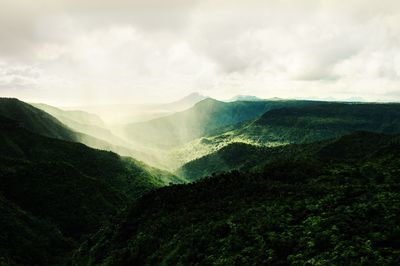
{"points": [[96, 52]]}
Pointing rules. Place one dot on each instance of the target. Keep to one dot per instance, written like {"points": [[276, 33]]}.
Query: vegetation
{"points": [[326, 197], [292, 125], [200, 120], [331, 205], [56, 191]]}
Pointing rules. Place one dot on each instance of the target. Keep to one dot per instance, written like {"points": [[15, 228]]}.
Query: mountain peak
{"points": [[186, 102], [249, 98]]}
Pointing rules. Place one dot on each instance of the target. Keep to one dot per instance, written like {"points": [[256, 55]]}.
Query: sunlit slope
{"points": [[335, 203], [84, 122], [78, 116], [247, 157], [300, 125], [202, 119], [312, 123], [41, 122], [285, 126], [123, 173]]}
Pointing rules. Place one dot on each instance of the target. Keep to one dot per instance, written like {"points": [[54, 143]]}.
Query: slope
{"points": [[27, 240], [308, 210], [298, 125], [83, 122], [72, 184], [312, 123], [34, 119], [247, 157], [200, 120]]}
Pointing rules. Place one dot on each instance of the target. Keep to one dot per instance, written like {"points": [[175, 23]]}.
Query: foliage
{"points": [[204, 118], [317, 208]]}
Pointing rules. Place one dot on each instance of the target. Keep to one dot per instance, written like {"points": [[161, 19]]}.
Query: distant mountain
{"points": [[185, 103], [244, 98], [312, 123], [315, 122], [247, 157], [76, 116], [42, 123], [297, 125], [335, 203], [83, 122], [130, 113], [200, 120]]}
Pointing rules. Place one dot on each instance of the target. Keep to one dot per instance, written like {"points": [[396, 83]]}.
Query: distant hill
{"points": [[76, 116], [309, 123], [184, 103], [247, 157], [312, 123], [203, 118], [83, 122], [335, 203], [131, 113], [249, 98], [43, 123]]}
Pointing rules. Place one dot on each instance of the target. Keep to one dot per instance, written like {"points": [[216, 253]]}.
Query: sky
{"points": [[74, 52]]}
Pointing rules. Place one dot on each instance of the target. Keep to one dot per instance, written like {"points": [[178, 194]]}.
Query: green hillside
{"points": [[328, 205], [297, 125], [83, 122], [312, 123], [69, 186], [235, 156], [200, 120], [247, 157], [34, 119]]}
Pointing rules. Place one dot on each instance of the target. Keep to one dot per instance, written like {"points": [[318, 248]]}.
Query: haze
{"points": [[70, 53]]}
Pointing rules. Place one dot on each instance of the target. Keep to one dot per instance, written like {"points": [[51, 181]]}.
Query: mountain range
{"points": [[255, 182]]}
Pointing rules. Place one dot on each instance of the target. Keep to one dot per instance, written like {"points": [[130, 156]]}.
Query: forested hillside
{"points": [[57, 191], [200, 120], [295, 125], [332, 204]]}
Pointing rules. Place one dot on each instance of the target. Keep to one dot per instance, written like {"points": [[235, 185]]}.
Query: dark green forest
{"points": [[326, 195], [338, 205]]}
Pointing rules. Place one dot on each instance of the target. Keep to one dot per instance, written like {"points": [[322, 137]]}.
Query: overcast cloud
{"points": [[72, 52]]}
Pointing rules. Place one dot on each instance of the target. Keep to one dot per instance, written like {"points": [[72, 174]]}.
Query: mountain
{"points": [[328, 205], [83, 122], [247, 157], [250, 98], [184, 103], [34, 119], [116, 114], [54, 191], [312, 123], [235, 149], [42, 123], [200, 120], [76, 116]]}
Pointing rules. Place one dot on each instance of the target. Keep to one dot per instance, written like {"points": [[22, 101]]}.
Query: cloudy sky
{"points": [[72, 52]]}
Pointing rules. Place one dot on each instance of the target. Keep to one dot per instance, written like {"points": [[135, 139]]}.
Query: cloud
{"points": [[137, 50]]}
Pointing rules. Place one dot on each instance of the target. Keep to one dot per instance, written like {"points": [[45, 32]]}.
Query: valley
{"points": [[217, 183]]}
